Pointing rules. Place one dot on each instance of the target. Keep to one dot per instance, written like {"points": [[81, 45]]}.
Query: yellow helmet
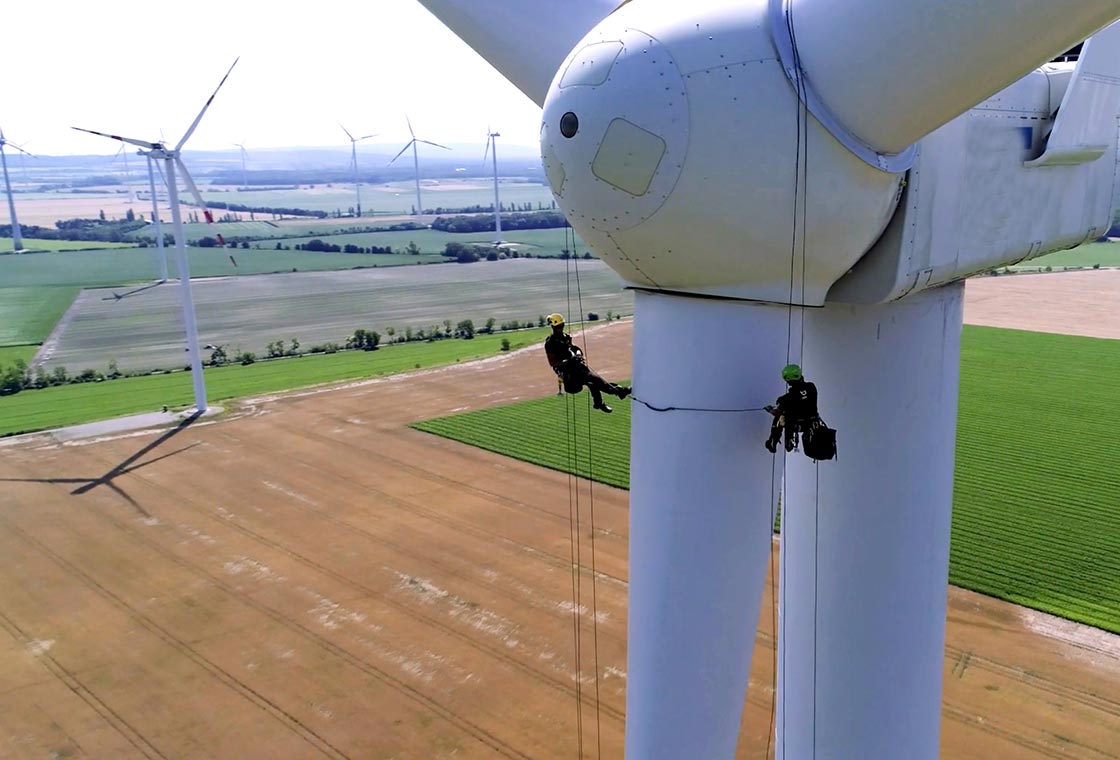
{"points": [[555, 320]]}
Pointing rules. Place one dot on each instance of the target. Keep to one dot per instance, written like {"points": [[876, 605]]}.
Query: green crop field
{"points": [[38, 244], [1105, 254], [10, 354], [1036, 517], [144, 331], [229, 230], [28, 314], [103, 268], [33, 410]]}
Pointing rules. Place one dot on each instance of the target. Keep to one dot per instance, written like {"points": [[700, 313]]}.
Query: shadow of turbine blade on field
{"points": [[85, 485]]}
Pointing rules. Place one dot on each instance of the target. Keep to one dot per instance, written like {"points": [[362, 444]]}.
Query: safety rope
{"points": [[591, 500], [653, 408], [574, 546]]}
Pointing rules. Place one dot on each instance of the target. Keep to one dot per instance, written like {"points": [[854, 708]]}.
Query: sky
{"points": [[147, 66]]}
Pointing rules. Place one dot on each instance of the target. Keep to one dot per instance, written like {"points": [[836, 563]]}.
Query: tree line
{"points": [[535, 220]]}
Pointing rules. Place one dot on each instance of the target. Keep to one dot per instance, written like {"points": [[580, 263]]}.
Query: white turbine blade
{"points": [[486, 153], [202, 113], [21, 150], [429, 142], [410, 126], [130, 140], [365, 138], [406, 147], [193, 190], [533, 38], [347, 131]]}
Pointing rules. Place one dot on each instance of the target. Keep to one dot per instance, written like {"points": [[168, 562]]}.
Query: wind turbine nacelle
{"points": [[1032, 170], [671, 143]]}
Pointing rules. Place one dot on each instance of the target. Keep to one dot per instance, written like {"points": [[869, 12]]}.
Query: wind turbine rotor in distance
{"points": [[354, 165], [415, 160], [172, 159]]}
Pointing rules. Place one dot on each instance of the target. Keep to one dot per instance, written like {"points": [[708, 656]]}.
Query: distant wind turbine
{"points": [[244, 174], [354, 163], [17, 237], [492, 147], [158, 151], [123, 153], [415, 161]]}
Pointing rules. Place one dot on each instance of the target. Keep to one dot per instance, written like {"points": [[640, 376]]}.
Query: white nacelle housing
{"points": [[681, 174], [1005, 182]]}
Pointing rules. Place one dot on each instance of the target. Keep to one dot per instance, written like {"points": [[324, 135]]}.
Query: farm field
{"points": [[1037, 496], [229, 230], [28, 314], [33, 410], [310, 576], [40, 244], [390, 198], [144, 332], [1105, 254], [137, 265], [543, 243], [10, 354]]}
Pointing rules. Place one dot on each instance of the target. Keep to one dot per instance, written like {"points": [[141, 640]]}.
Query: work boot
{"points": [[624, 392], [771, 446], [603, 407], [791, 443]]}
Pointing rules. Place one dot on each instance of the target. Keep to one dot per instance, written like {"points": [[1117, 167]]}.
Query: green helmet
{"points": [[791, 372]]}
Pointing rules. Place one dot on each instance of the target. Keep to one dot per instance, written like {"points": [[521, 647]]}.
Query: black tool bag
{"points": [[819, 441]]}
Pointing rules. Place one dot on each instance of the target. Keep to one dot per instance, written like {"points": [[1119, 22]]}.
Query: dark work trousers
{"points": [[576, 375]]}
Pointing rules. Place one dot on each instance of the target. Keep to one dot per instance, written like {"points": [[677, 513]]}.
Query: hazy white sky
{"points": [[134, 67]]}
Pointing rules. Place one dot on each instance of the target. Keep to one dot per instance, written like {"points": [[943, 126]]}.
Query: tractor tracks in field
{"points": [[80, 690], [381, 595]]}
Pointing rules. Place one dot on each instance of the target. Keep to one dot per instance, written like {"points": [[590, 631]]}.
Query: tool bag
{"points": [[819, 441]]}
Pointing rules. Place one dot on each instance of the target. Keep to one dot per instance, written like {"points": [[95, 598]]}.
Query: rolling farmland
{"points": [[28, 314], [144, 331], [73, 404], [1037, 497], [104, 268]]}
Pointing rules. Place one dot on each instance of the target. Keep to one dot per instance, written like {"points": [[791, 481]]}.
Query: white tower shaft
{"points": [[185, 290], [416, 168], [865, 538], [161, 254], [497, 202], [17, 236], [357, 183], [701, 523]]}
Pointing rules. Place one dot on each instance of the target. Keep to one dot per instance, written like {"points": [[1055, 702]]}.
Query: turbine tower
{"points": [[161, 254], [784, 167], [492, 143], [354, 163], [415, 161], [17, 236], [158, 151], [244, 174]]}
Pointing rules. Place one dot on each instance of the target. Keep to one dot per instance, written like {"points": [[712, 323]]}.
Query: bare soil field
{"points": [[311, 577], [46, 211], [1072, 303]]}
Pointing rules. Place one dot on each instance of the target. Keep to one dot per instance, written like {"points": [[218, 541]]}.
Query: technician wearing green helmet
{"points": [[795, 411]]}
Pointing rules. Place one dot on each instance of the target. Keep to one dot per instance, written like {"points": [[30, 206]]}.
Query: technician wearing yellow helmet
{"points": [[566, 360]]}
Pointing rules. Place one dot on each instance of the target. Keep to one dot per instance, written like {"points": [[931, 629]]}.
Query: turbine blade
{"points": [[532, 41], [429, 142], [347, 131], [197, 196], [202, 113], [130, 140], [365, 138], [410, 126], [21, 150], [486, 153], [406, 147]]}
